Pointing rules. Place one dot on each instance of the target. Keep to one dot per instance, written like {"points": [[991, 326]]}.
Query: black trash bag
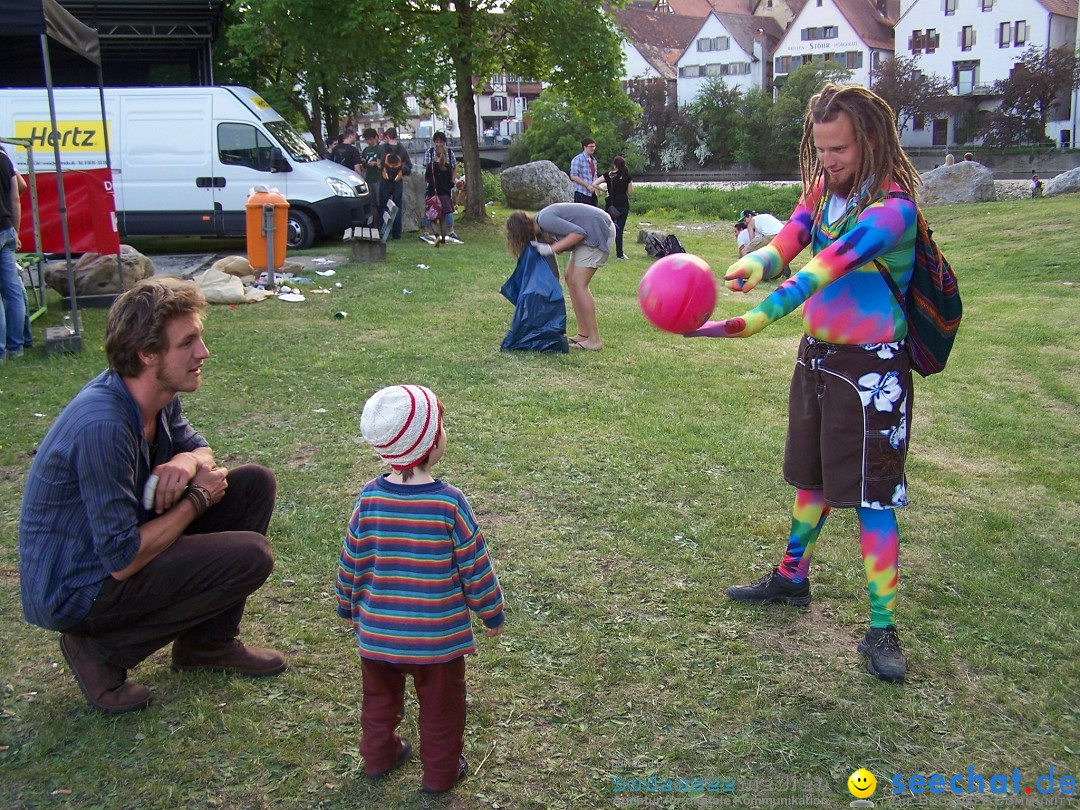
{"points": [[539, 323]]}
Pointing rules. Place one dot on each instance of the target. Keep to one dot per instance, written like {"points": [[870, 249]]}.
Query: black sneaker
{"points": [[882, 646], [463, 771], [404, 752], [774, 587]]}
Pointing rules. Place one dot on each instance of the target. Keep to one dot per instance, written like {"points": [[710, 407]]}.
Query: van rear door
{"points": [[168, 181]]}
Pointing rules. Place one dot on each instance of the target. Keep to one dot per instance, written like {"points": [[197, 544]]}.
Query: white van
{"points": [[185, 158]]}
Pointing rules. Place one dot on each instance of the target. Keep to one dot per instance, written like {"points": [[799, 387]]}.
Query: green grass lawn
{"points": [[620, 492]]}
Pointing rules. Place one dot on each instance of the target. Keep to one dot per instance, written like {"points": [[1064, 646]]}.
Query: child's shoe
{"points": [[463, 771], [404, 752]]}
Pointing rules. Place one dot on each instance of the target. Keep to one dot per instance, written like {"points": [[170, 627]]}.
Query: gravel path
{"points": [[1006, 189]]}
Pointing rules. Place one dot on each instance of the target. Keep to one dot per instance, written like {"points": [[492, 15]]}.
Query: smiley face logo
{"points": [[862, 784]]}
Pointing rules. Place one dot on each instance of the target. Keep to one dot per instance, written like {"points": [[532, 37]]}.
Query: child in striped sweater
{"points": [[413, 564]]}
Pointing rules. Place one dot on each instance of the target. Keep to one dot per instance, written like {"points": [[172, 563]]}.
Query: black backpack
{"points": [[659, 246]]}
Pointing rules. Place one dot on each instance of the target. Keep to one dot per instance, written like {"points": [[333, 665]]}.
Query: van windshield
{"points": [[291, 141]]}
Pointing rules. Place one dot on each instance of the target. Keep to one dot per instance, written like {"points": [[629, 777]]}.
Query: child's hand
{"points": [[491, 632]]}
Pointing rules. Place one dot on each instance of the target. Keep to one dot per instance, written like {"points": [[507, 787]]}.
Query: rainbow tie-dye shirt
{"points": [[846, 299]]}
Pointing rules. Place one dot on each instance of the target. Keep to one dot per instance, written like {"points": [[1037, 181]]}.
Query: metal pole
{"points": [[268, 229], [60, 198], [108, 165]]}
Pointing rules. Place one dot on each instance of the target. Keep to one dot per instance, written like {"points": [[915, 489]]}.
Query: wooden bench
{"points": [[366, 243]]}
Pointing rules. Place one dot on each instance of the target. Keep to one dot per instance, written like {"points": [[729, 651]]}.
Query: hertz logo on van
{"points": [[73, 136]]}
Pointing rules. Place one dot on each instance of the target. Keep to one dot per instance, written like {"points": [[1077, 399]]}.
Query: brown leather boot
{"points": [[229, 656], [105, 685]]}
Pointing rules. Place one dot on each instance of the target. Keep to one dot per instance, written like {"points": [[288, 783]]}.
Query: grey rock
{"points": [[412, 199], [96, 273], [963, 182], [1065, 183], [533, 185]]}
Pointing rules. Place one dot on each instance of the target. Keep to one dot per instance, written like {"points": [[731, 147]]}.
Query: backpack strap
{"points": [[899, 296]]}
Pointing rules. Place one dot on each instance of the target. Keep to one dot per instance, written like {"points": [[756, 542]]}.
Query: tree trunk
{"points": [[466, 112]]}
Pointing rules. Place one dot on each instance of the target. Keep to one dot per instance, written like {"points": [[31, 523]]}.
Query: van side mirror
{"points": [[278, 163]]}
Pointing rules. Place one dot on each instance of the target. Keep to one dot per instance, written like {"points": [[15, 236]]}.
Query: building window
{"points": [[821, 32], [916, 43], [918, 122], [691, 71], [965, 76], [967, 38], [1021, 32], [498, 103], [1005, 35], [783, 65], [987, 5], [950, 7], [933, 40]]}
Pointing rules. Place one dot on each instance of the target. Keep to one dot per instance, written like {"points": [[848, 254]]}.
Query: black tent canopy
{"points": [[47, 20]]}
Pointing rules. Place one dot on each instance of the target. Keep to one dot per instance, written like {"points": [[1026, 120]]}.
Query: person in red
{"points": [[413, 564]]}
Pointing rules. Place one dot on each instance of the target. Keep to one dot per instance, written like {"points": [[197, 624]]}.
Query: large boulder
{"points": [[96, 274], [1065, 183], [963, 182], [534, 185], [412, 199]]}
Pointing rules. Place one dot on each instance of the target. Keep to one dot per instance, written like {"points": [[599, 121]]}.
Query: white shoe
{"points": [[430, 238]]}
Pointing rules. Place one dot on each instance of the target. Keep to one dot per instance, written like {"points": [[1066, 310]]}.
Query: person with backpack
{"points": [[394, 166], [849, 406], [346, 153]]}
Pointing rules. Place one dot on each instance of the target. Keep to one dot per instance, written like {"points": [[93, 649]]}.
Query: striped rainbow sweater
{"points": [[413, 564]]}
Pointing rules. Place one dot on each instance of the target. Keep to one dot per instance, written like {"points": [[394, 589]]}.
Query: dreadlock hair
{"points": [[883, 159]]}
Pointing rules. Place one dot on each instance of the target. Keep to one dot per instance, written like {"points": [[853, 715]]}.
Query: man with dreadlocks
{"points": [[849, 407]]}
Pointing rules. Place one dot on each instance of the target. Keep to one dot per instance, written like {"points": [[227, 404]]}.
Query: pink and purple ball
{"points": [[678, 293]]}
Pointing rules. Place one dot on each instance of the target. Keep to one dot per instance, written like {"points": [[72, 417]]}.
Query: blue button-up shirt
{"points": [[82, 507]]}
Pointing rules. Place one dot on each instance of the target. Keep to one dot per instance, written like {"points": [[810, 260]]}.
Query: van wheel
{"points": [[301, 231]]}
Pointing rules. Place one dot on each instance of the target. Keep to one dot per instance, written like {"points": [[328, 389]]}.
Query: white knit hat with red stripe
{"points": [[402, 423]]}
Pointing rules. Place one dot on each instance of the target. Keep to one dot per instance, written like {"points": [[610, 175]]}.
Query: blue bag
{"points": [[539, 322]]}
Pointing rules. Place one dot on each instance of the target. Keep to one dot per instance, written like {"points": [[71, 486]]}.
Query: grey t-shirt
{"points": [[560, 219]]}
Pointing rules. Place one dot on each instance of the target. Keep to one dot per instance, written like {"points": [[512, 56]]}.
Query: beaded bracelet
{"points": [[199, 498]]}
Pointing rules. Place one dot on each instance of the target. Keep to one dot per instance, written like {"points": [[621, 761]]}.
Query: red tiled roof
{"points": [[661, 30], [701, 8], [1066, 8], [873, 28], [743, 27]]}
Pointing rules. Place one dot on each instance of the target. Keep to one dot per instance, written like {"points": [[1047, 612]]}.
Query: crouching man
{"points": [[130, 536]]}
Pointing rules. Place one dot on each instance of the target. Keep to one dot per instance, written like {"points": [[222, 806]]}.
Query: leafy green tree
{"points": [[556, 130], [787, 114], [909, 91], [323, 60], [661, 120], [715, 114], [754, 133], [1038, 82], [546, 40], [303, 58]]}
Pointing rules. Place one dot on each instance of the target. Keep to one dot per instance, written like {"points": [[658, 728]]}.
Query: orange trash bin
{"points": [[256, 236]]}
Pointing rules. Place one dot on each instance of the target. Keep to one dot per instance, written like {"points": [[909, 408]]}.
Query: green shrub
{"points": [[706, 203], [493, 188]]}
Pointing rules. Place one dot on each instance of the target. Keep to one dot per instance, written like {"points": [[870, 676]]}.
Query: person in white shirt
{"points": [[760, 230]]}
